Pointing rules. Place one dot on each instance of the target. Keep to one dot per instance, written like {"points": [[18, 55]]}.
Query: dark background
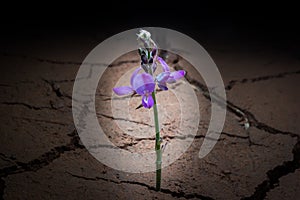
{"points": [[273, 24]]}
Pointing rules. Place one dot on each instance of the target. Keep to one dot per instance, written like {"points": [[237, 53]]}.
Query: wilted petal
{"points": [[147, 101], [136, 71], [143, 83], [174, 76], [163, 64], [144, 39], [163, 77], [144, 35], [123, 90]]}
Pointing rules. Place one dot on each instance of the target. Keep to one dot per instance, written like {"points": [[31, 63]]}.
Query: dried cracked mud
{"points": [[42, 157]]}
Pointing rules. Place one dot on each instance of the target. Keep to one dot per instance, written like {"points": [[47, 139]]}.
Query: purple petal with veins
{"points": [[163, 77], [143, 84], [163, 64], [123, 90], [136, 71], [147, 101]]}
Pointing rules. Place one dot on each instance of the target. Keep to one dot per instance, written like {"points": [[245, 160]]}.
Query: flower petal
{"points": [[144, 59], [147, 101], [174, 76], [153, 52], [136, 71], [153, 66], [123, 90], [163, 77], [163, 64], [143, 83], [163, 86]]}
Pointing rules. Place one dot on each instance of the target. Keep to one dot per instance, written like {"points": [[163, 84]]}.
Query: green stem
{"points": [[157, 144]]}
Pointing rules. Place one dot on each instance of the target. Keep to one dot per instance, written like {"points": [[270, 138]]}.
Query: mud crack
{"points": [[123, 119], [42, 120], [232, 83], [243, 114], [151, 188], [61, 62], [276, 173], [40, 162], [26, 105], [44, 159], [279, 171]]}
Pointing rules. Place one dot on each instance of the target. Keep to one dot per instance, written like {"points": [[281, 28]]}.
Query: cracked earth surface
{"points": [[42, 156]]}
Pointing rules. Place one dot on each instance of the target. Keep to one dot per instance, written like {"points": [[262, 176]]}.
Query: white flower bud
{"points": [[144, 35]]}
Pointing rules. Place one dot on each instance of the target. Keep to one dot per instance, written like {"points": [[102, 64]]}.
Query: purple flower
{"points": [[144, 83], [126, 90], [167, 76]]}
